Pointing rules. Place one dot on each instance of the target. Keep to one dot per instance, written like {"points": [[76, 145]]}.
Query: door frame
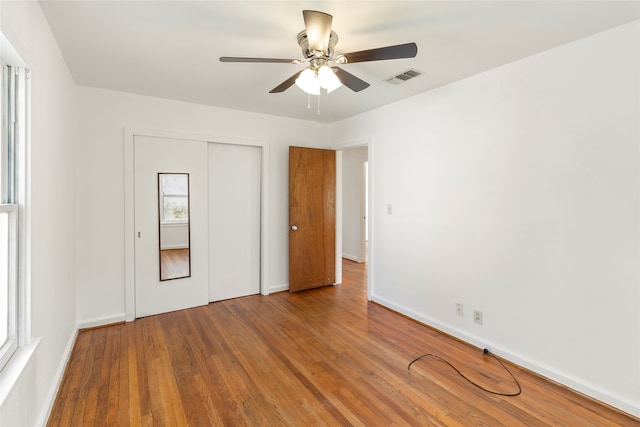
{"points": [[364, 214], [129, 203], [368, 142]]}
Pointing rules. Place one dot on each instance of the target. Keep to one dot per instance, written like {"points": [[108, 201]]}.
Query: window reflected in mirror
{"points": [[173, 206]]}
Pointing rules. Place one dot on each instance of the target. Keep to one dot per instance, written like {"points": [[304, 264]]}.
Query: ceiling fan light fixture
{"points": [[308, 82], [328, 79], [318, 42]]}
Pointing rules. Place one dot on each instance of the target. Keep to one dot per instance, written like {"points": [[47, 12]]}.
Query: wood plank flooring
{"points": [[174, 264], [322, 357]]}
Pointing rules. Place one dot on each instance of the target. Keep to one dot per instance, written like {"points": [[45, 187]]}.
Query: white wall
{"points": [[352, 204], [516, 192], [174, 236], [51, 189], [103, 116]]}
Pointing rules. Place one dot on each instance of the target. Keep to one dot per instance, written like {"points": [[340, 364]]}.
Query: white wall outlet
{"points": [[477, 317], [459, 310], [389, 209]]}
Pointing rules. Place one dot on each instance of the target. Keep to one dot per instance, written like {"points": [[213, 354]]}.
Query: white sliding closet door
{"points": [[155, 294], [234, 220]]}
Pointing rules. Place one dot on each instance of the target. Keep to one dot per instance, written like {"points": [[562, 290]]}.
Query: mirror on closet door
{"points": [[173, 208]]}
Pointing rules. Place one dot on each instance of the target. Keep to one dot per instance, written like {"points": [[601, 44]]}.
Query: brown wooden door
{"points": [[312, 218]]}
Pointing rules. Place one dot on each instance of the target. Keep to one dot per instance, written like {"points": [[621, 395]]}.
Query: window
{"points": [[13, 132], [174, 194]]}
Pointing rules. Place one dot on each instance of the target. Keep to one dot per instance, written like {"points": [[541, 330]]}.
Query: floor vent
{"points": [[404, 76]]}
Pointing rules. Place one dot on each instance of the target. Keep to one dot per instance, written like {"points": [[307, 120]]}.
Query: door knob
{"points": [[294, 227]]}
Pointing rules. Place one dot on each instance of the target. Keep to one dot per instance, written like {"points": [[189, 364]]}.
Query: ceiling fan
{"points": [[317, 42]]}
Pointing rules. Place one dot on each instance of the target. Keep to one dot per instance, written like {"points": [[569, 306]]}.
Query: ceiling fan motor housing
{"points": [[304, 45]]}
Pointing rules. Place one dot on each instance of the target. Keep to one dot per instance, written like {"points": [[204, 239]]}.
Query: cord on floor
{"points": [[485, 351]]}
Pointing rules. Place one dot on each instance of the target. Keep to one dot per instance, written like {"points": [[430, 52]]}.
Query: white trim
{"points": [[57, 379], [24, 223], [279, 288], [8, 348], [338, 237], [129, 161], [129, 227], [169, 247], [265, 261], [11, 372], [351, 257], [364, 214], [175, 223], [102, 321]]}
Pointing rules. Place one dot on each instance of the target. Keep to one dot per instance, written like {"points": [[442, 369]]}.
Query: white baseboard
{"points": [[177, 246], [57, 380], [279, 288], [569, 381], [351, 258], [102, 321]]}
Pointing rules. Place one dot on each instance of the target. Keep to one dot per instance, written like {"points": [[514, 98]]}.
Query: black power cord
{"points": [[484, 351]]}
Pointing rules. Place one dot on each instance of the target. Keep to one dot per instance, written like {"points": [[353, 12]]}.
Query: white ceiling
{"points": [[170, 49]]}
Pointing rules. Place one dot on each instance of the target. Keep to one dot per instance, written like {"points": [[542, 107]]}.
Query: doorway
{"points": [[355, 203], [354, 239]]}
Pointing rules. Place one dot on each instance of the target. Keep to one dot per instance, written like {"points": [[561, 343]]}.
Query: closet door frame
{"points": [[129, 203]]}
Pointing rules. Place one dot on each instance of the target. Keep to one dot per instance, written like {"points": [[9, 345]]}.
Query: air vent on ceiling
{"points": [[404, 76]]}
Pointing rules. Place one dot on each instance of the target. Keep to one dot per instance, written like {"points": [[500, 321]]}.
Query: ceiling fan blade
{"points": [[318, 28], [349, 80], [286, 84], [407, 50], [271, 60]]}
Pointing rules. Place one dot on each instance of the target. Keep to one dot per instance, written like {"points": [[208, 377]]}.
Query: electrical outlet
{"points": [[389, 209], [459, 310], [477, 317]]}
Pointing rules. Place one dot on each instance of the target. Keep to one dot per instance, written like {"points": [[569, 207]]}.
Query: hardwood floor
{"points": [[320, 357], [174, 263]]}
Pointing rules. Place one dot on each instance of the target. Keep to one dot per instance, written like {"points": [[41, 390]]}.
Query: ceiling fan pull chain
{"points": [[308, 101], [318, 104]]}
